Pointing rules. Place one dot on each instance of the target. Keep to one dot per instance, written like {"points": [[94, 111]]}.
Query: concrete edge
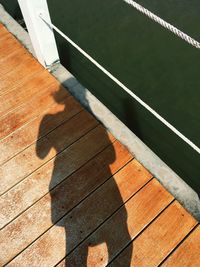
{"points": [[167, 177]]}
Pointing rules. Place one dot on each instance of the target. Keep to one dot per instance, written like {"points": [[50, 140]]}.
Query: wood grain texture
{"points": [[17, 64], [84, 219], [12, 67], [24, 93], [67, 195], [3, 31], [159, 239], [70, 190], [34, 88], [141, 209], [29, 133], [8, 43], [28, 111], [45, 149], [188, 253]]}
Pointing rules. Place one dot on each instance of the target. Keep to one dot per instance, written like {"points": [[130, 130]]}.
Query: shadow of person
{"points": [[77, 191]]}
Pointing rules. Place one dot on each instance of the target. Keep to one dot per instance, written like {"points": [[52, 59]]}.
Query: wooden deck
{"points": [[71, 194]]}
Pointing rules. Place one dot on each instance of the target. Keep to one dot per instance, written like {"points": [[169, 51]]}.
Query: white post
{"points": [[42, 36]]}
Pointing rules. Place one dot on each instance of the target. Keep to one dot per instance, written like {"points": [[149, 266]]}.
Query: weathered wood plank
{"points": [[51, 247], [13, 66], [29, 133], [66, 195], [24, 93], [141, 209], [8, 44], [3, 31], [14, 54], [24, 194], [159, 239], [28, 111], [188, 253], [30, 159], [68, 182]]}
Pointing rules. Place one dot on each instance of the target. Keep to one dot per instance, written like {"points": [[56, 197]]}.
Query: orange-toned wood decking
{"points": [[71, 194]]}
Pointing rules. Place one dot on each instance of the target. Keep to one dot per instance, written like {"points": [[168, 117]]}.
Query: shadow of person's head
{"points": [[57, 95]]}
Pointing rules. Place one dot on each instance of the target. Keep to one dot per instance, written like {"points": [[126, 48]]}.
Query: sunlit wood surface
{"points": [[71, 194]]}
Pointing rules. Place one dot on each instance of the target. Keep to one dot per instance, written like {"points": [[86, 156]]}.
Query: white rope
{"points": [[164, 24], [139, 100]]}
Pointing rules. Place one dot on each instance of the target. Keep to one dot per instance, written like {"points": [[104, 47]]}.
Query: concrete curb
{"points": [[168, 178]]}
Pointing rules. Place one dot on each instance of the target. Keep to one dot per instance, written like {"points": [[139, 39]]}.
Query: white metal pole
{"points": [[41, 34]]}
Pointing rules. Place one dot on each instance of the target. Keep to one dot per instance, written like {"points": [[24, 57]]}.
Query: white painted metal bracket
{"points": [[42, 36]]}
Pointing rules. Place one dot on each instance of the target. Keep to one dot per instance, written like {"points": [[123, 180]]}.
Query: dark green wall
{"points": [[162, 69], [12, 8], [159, 67]]}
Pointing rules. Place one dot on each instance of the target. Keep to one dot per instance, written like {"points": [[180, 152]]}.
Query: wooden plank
{"points": [[141, 209], [24, 93], [159, 239], [19, 74], [22, 79], [8, 44], [12, 61], [19, 198], [84, 219], [14, 54], [30, 159], [4, 32], [188, 253], [66, 195], [26, 65], [28, 111], [29, 133]]}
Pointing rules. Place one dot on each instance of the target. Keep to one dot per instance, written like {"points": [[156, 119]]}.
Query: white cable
{"points": [[164, 24], [139, 100]]}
